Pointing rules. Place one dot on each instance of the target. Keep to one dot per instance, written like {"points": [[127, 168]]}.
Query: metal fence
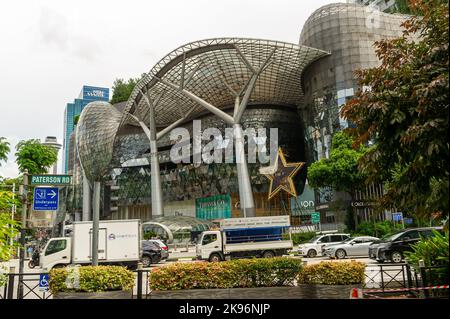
{"points": [[418, 282], [380, 280], [23, 286]]}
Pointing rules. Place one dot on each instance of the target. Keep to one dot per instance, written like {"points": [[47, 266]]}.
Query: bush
{"points": [[91, 279], [377, 229], [300, 238], [333, 273], [434, 251], [241, 273]]}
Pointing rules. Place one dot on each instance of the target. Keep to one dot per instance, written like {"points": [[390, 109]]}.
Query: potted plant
{"points": [[91, 282]]}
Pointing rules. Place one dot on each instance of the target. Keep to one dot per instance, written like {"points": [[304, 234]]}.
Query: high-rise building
{"points": [[53, 142], [88, 94]]}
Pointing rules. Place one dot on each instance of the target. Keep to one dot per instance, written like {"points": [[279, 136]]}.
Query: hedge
{"points": [[333, 273], [240, 273], [91, 279]]}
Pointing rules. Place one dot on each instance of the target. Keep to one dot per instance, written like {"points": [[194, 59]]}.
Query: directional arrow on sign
{"points": [[52, 194]]}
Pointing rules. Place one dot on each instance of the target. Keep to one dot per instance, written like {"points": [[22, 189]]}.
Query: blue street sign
{"points": [[397, 217], [43, 282], [45, 198]]}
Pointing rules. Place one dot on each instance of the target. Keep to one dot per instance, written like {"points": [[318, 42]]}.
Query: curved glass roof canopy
{"points": [[217, 70]]}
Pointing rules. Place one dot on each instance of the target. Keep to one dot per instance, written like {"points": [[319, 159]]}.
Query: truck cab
{"points": [[209, 246], [56, 252]]}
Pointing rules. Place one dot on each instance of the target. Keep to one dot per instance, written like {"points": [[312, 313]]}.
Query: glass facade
{"points": [[88, 94]]}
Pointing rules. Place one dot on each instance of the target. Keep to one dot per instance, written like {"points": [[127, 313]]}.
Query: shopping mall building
{"points": [[122, 152]]}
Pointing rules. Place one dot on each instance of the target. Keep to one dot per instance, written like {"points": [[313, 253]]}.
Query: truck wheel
{"points": [[146, 261], [311, 253], [268, 254], [215, 258]]}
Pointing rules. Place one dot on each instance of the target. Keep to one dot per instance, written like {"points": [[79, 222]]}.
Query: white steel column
{"points": [[95, 222], [245, 187], [157, 202], [86, 200]]}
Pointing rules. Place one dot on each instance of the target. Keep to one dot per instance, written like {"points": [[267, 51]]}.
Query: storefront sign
{"points": [[214, 207], [315, 218]]}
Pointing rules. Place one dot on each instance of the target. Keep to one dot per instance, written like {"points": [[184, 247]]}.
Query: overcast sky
{"points": [[49, 49]]}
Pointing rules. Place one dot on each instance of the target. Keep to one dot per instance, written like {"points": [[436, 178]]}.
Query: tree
{"points": [[339, 171], [122, 90], [34, 156], [8, 229], [404, 112], [4, 150]]}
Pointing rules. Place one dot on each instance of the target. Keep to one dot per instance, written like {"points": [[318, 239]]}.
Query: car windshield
{"points": [[313, 240], [348, 240], [391, 237]]}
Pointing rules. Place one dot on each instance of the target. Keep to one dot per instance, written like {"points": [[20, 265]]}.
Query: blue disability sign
{"points": [[45, 198], [43, 282]]}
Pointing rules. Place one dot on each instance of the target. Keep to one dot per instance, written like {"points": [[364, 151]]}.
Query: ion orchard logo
{"points": [[111, 237], [221, 149]]}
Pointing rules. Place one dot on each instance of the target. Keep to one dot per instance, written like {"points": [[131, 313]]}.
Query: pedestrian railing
{"points": [[142, 288], [24, 286], [418, 282]]}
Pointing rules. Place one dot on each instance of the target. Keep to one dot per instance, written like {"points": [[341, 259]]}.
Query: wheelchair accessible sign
{"points": [[45, 198], [43, 282]]}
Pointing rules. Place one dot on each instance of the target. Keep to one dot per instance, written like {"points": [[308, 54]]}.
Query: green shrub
{"points": [[377, 229], [300, 238], [333, 273], [434, 251], [241, 273], [91, 279]]}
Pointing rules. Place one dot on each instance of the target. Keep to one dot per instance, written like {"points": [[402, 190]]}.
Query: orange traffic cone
{"points": [[354, 294]]}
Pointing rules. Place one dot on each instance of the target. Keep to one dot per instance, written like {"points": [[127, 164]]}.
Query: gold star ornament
{"points": [[281, 175]]}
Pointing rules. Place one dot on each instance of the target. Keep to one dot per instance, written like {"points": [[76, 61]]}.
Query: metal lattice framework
{"points": [[218, 70]]}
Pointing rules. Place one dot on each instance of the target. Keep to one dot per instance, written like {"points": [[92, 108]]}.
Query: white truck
{"points": [[119, 242], [246, 237]]}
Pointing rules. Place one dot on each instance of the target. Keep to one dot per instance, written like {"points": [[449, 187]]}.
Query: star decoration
{"points": [[282, 176]]}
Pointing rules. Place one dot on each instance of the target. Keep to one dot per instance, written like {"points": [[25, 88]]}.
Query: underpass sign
{"points": [[45, 198]]}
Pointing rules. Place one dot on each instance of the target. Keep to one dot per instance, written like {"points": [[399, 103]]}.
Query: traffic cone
{"points": [[354, 294]]}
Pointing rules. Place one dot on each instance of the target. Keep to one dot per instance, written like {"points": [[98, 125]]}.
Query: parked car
{"points": [[358, 246], [151, 253], [314, 247], [163, 246], [392, 247]]}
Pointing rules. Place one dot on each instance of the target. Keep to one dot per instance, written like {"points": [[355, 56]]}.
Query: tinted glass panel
{"points": [[207, 239], [335, 238], [56, 246]]}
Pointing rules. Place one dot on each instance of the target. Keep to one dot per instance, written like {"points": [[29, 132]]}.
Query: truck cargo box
{"points": [[119, 240]]}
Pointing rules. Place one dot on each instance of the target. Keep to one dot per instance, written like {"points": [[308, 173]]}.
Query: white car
{"points": [[315, 246], [358, 246]]}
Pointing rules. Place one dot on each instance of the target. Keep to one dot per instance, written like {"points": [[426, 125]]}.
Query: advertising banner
{"points": [[214, 207]]}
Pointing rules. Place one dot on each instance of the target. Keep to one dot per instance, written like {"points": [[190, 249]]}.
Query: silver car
{"points": [[357, 246]]}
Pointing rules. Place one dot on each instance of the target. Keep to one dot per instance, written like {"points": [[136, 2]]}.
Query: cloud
{"points": [[53, 28], [57, 31]]}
